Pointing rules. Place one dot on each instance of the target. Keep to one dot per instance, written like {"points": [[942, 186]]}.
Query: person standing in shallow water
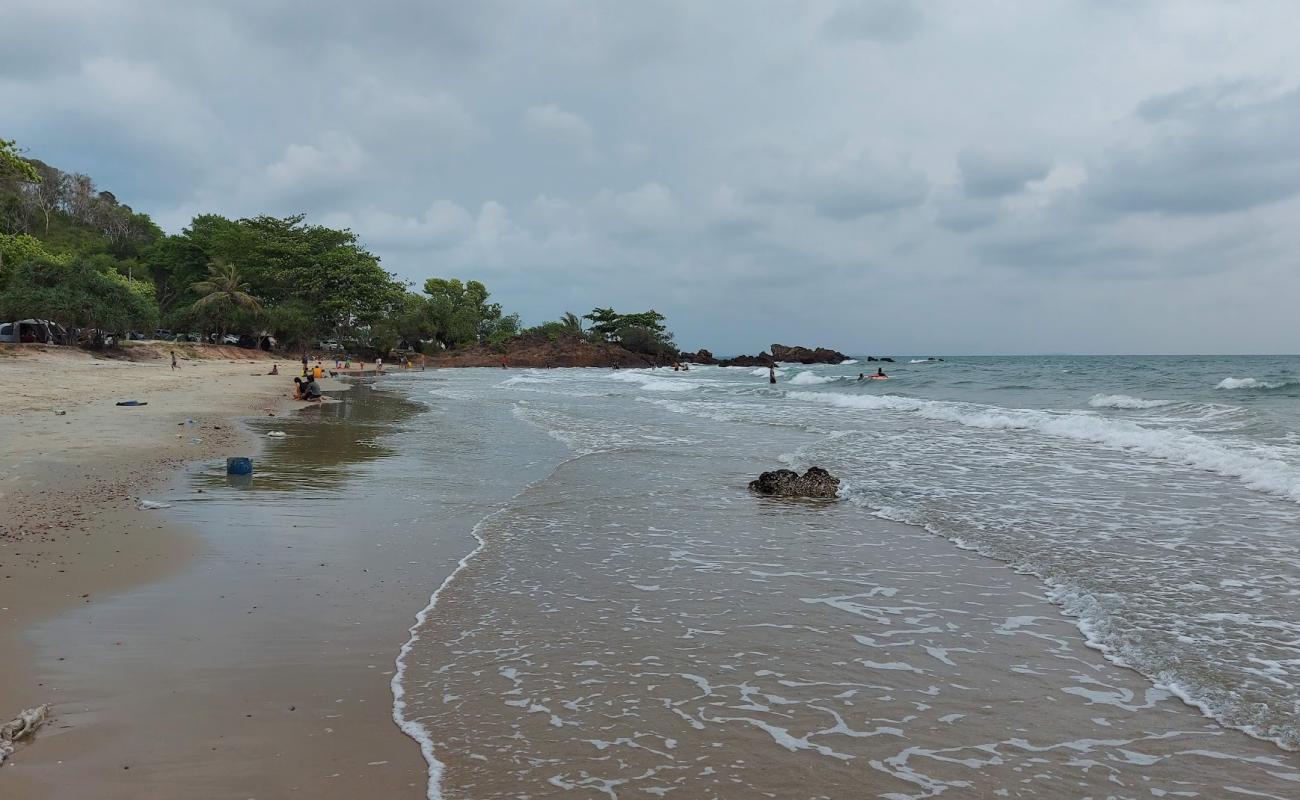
{"points": [[771, 374]]}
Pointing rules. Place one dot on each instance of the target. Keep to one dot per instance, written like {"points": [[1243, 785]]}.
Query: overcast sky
{"points": [[896, 176]]}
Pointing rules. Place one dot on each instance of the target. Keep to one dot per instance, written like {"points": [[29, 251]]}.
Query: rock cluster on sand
{"points": [[816, 482]]}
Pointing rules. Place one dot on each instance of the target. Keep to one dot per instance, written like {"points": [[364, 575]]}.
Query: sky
{"points": [[882, 177]]}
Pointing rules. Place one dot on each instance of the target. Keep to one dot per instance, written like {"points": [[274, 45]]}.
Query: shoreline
{"points": [[76, 543]]}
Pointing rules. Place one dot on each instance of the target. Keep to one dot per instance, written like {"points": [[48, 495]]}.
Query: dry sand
{"points": [[71, 535]]}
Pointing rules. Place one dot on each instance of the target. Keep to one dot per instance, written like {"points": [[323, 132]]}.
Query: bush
{"points": [[646, 341], [86, 292]]}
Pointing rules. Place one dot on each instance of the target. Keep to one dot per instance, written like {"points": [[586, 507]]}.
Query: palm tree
{"points": [[224, 290], [571, 323]]}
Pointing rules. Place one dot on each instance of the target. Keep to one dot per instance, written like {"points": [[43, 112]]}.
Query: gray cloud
{"points": [[755, 172], [987, 174], [875, 20], [1216, 149]]}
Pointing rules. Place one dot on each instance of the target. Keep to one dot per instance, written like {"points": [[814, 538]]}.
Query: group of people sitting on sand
{"points": [[307, 388]]}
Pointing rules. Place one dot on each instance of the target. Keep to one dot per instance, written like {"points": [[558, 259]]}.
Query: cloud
{"points": [[844, 187], [875, 20], [553, 123], [1217, 149], [1027, 163], [987, 174], [329, 164]]}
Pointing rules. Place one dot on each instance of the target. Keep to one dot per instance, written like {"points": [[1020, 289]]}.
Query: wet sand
{"points": [[140, 707]]}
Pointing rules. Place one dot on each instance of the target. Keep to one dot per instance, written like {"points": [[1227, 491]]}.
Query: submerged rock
{"points": [[816, 482]]}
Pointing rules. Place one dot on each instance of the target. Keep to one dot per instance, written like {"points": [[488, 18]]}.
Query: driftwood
{"points": [[21, 727]]}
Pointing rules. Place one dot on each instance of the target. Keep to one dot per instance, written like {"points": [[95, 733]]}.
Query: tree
{"points": [[13, 166], [609, 325], [223, 292], [87, 292], [460, 313], [571, 323], [647, 341]]}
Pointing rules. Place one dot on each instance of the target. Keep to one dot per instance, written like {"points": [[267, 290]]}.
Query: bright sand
{"points": [[132, 717]]}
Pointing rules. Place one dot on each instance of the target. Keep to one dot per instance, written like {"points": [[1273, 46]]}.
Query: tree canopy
{"points": [[71, 252]]}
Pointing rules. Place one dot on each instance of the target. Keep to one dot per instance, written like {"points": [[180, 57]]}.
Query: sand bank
{"points": [[72, 539]]}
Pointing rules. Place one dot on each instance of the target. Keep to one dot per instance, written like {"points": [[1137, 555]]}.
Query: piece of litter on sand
{"points": [[21, 727], [149, 505], [277, 434], [131, 403]]}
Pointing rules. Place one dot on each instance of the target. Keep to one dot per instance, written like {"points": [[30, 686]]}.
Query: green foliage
{"points": [[13, 166], [73, 253], [459, 313], [15, 249], [88, 292], [606, 323], [648, 341], [642, 332], [290, 323]]}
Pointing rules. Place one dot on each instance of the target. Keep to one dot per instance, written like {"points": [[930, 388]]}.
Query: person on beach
{"points": [[771, 374], [297, 388], [174, 364], [275, 370], [318, 372], [311, 391], [503, 362], [347, 363], [304, 363], [379, 364]]}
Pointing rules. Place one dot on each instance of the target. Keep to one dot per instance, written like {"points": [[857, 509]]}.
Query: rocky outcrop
{"points": [[816, 482], [698, 357], [540, 351], [760, 360], [803, 355]]}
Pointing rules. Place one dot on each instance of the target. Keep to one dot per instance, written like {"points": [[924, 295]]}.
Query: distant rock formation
{"points": [[803, 355], [537, 350], [816, 482]]}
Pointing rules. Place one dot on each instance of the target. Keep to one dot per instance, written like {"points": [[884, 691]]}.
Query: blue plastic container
{"points": [[239, 465]]}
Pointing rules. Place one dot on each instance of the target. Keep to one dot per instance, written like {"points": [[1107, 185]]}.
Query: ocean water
{"points": [[1048, 576]]}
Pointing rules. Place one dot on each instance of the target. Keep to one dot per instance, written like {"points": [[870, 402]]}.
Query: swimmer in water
{"points": [[880, 373], [771, 374]]}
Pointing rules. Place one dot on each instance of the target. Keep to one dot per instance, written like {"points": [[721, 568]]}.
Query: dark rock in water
{"points": [[887, 358], [816, 482], [698, 357], [872, 358], [760, 360], [803, 355]]}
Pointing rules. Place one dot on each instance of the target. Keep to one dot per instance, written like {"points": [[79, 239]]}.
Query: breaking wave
{"points": [[1254, 383], [809, 379], [1124, 401], [1260, 473]]}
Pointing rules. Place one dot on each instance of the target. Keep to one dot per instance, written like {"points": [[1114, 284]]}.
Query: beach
{"points": [[555, 583], [127, 720]]}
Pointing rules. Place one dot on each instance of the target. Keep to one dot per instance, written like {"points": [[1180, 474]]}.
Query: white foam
{"points": [[809, 379], [1124, 401], [1252, 383], [652, 383], [1260, 473], [848, 361], [414, 728]]}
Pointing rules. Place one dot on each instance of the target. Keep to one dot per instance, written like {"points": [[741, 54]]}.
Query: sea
{"points": [[1056, 576]]}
